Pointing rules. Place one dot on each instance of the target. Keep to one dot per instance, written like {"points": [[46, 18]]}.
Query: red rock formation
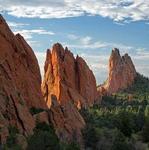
{"points": [[42, 117], [20, 82], [67, 121], [69, 79], [68, 84], [121, 73]]}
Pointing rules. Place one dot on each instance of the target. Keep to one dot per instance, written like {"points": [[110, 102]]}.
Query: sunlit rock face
{"points": [[19, 83], [68, 85], [68, 78], [122, 73]]}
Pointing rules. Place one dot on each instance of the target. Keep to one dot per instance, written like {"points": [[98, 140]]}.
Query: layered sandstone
{"points": [[19, 83], [122, 73]]}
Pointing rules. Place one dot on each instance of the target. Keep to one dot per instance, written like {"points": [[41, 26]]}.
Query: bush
{"points": [[34, 110], [11, 140], [71, 146], [120, 143], [145, 131], [44, 138], [90, 137]]}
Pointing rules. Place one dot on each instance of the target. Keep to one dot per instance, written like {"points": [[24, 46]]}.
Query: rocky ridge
{"points": [[20, 83]]}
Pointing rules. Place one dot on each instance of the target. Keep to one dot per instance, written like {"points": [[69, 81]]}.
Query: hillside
{"points": [[140, 88], [121, 121]]}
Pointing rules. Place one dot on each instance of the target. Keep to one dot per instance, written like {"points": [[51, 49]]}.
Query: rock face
{"points": [[121, 73], [67, 121], [67, 78], [20, 83], [68, 84]]}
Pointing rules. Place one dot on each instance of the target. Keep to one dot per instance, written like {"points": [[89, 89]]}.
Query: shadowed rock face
{"points": [[67, 121], [121, 73], [19, 82], [68, 84], [69, 79]]}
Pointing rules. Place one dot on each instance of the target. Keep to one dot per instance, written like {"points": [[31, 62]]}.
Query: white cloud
{"points": [[119, 23], [33, 43], [18, 27], [28, 33], [72, 36], [86, 40], [94, 45], [15, 24], [117, 10]]}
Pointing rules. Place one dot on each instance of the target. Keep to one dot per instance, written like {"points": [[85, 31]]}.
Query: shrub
{"points": [[71, 146], [34, 110], [44, 138], [11, 140]]}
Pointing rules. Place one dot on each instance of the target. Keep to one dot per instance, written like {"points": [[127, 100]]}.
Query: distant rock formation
{"points": [[122, 73], [68, 85], [19, 83]]}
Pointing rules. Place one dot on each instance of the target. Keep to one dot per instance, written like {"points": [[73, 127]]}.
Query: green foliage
{"points": [[91, 137], [120, 143], [71, 146], [44, 138], [34, 110], [140, 88], [11, 140], [145, 131], [121, 121]]}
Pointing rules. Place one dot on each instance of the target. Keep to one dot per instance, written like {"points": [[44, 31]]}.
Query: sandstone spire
{"points": [[68, 84], [69, 79], [122, 73]]}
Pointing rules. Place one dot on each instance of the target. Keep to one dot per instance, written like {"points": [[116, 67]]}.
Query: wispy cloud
{"points": [[28, 33], [72, 37], [119, 23], [88, 42], [117, 10], [15, 24], [33, 43]]}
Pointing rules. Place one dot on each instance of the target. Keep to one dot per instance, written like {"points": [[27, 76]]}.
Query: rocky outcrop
{"points": [[19, 83], [67, 121], [68, 85], [122, 73], [67, 78], [42, 117]]}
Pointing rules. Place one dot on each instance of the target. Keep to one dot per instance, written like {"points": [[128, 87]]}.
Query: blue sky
{"points": [[90, 29]]}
